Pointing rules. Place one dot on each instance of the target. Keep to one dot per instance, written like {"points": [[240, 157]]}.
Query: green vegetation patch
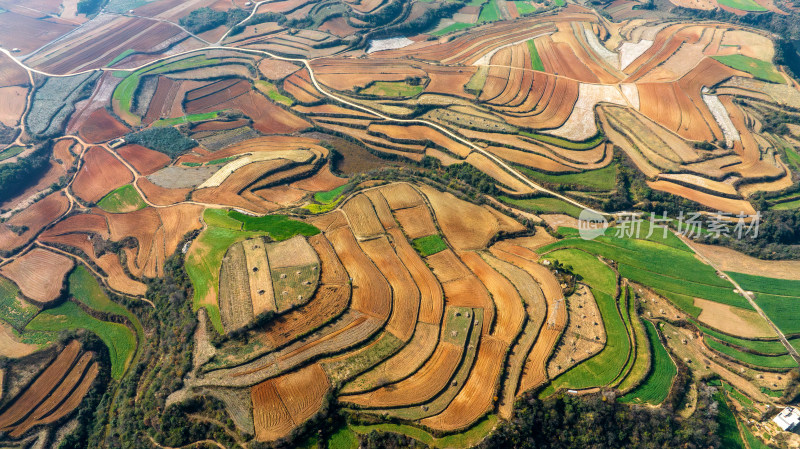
{"points": [[778, 361], [767, 347], [13, 309], [779, 298], [773, 286], [762, 70], [657, 384], [122, 199], [393, 89], [728, 431], [272, 92], [536, 60], [489, 13], [430, 244], [167, 140], [121, 342], [753, 441], [223, 160], [463, 440], [452, 27], [10, 152], [524, 8], [358, 362], [543, 205], [186, 119], [329, 196], [744, 5], [603, 179], [344, 438], [477, 81], [568, 144], [121, 56], [279, 227]]}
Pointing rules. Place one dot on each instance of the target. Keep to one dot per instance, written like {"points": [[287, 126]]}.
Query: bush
{"points": [[16, 177], [90, 7], [168, 140], [205, 19]]}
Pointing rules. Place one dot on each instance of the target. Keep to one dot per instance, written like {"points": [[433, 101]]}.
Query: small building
{"points": [[788, 419]]}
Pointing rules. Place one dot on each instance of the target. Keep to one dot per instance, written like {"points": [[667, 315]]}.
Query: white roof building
{"points": [[788, 419]]}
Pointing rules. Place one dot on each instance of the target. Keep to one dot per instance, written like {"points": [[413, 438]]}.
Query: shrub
{"points": [[168, 140]]}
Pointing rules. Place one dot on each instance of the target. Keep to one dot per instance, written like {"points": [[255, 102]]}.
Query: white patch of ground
{"points": [[581, 123], [723, 119], [628, 52], [299, 156], [631, 93], [388, 44], [605, 54], [487, 58]]}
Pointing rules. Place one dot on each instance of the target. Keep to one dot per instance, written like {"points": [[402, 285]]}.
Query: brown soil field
{"points": [[271, 419], [477, 395], [14, 100], [470, 292], [291, 253], [401, 195], [276, 70], [144, 160], [10, 346], [730, 260], [303, 391], [322, 181], [11, 74], [382, 209], [431, 296], [714, 202], [584, 335], [88, 223], [75, 397], [28, 33], [487, 166], [733, 320], [405, 295], [100, 126], [362, 217], [41, 388], [117, 278], [416, 221], [508, 304], [338, 26], [100, 174], [421, 386], [447, 266], [465, 225], [235, 303], [62, 151], [258, 273], [39, 274], [160, 195], [143, 225], [402, 364], [35, 218], [371, 292]]}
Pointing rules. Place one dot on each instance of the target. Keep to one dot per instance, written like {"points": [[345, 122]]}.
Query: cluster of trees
{"points": [[205, 19], [16, 177], [90, 7], [570, 422], [778, 235], [167, 140], [7, 134], [463, 172]]}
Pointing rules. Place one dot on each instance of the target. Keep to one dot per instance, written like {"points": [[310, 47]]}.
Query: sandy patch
{"points": [[729, 260], [750, 44], [299, 156], [723, 119], [631, 93], [605, 54], [9, 345], [628, 52], [388, 44], [581, 122], [733, 320]]}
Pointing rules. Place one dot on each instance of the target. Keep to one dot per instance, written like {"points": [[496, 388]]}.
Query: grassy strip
{"points": [[10, 152], [604, 179], [13, 309], [524, 8], [643, 357], [122, 199], [392, 89], [465, 439], [489, 13], [344, 438], [564, 143], [542, 205], [728, 430], [186, 119], [772, 286], [773, 347], [329, 196], [657, 384], [121, 56], [789, 205], [762, 70], [778, 362], [604, 367], [429, 245], [753, 441], [118, 338], [743, 5], [272, 93], [279, 227], [322, 208], [536, 60], [453, 27], [221, 160]]}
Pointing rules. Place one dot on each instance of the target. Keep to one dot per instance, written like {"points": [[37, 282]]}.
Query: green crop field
{"points": [[83, 286], [788, 205], [344, 438], [753, 441], [768, 347], [657, 384], [772, 286], [223, 160], [452, 27], [778, 298], [779, 362], [601, 179], [13, 309], [728, 429], [122, 199], [121, 56], [279, 227], [536, 60], [329, 196], [762, 70], [744, 5], [121, 342], [489, 13], [542, 205], [392, 89], [643, 357], [430, 244], [271, 91], [604, 367], [186, 119], [524, 8], [10, 152], [564, 143]]}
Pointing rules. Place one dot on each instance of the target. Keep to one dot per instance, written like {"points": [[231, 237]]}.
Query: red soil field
{"points": [[35, 218], [470, 292], [371, 292], [303, 391], [144, 160], [416, 221], [11, 73], [219, 125], [405, 295], [322, 181], [271, 419], [337, 26], [267, 117], [39, 274], [465, 225], [381, 209], [509, 309], [142, 225], [362, 217], [117, 278], [275, 70], [13, 104], [61, 151], [81, 223], [101, 126], [100, 174], [160, 195], [401, 195], [431, 303], [28, 33]]}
